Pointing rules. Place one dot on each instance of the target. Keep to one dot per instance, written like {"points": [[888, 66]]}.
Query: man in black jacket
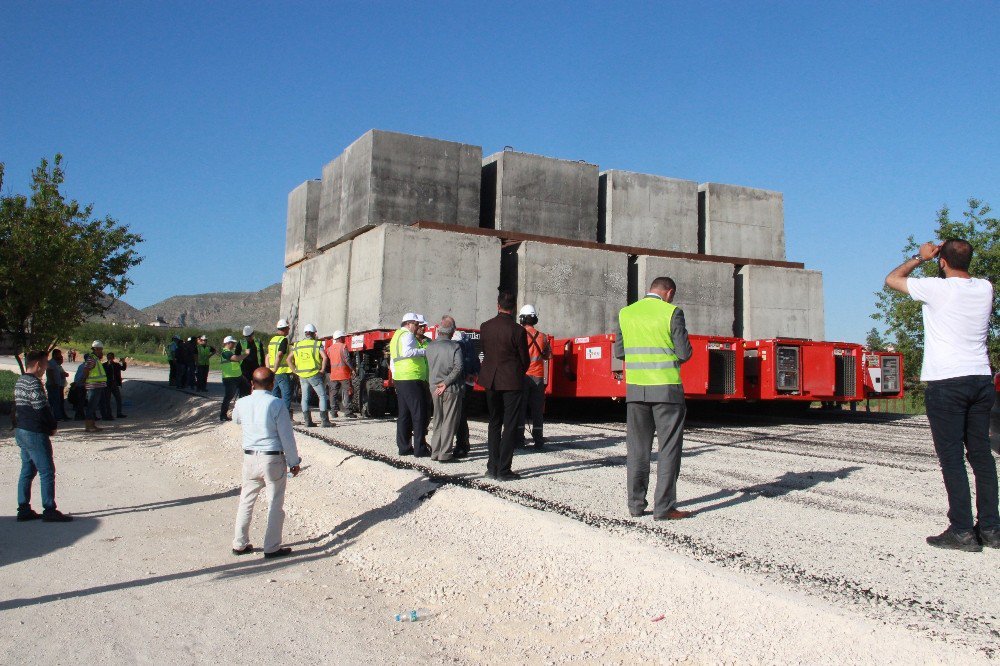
{"points": [[34, 425], [505, 360], [254, 358], [114, 370]]}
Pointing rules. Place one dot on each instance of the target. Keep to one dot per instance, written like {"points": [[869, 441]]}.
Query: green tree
{"points": [[900, 316], [58, 265]]}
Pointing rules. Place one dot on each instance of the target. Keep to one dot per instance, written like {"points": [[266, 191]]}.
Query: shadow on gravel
{"points": [[26, 541], [410, 497], [783, 485], [165, 504]]}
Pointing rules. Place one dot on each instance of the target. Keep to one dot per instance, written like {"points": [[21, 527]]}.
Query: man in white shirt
{"points": [[960, 393], [408, 363], [268, 446]]}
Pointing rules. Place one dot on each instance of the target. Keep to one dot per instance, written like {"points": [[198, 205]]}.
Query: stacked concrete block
{"points": [[291, 291], [302, 221], [774, 302], [577, 291], [736, 221], [395, 270], [539, 195], [386, 177], [323, 291], [705, 291], [640, 210]]}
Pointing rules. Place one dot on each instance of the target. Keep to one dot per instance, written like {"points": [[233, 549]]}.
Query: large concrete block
{"points": [[539, 195], [387, 177], [737, 221], [291, 282], [640, 210], [323, 291], [705, 291], [577, 291], [302, 221], [396, 269], [774, 302]]}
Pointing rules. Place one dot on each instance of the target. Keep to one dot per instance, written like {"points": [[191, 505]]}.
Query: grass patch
{"points": [[142, 356], [7, 381]]}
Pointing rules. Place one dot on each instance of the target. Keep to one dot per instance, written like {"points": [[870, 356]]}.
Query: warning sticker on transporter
{"points": [[593, 353]]}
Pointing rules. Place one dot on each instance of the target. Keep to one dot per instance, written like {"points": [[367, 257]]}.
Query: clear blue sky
{"points": [[192, 121]]}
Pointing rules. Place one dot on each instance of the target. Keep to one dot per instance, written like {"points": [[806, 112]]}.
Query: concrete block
{"points": [[640, 210], [302, 221], [291, 282], [705, 291], [397, 269], [539, 195], [387, 177], [774, 302], [739, 221], [323, 291], [577, 291]]}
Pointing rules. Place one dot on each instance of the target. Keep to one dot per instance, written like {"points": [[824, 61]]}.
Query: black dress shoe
{"points": [[637, 515], [491, 475], [964, 541], [460, 453], [408, 452], [422, 454], [509, 476], [990, 538], [246, 550], [28, 514], [55, 516], [281, 552], [447, 460], [121, 416]]}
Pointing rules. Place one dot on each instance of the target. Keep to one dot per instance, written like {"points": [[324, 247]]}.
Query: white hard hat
{"points": [[308, 328], [338, 334], [248, 330], [421, 320], [97, 344], [528, 311], [410, 316], [282, 323], [228, 339], [203, 337]]}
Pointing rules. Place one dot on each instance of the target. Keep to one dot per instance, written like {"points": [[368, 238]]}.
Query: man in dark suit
{"points": [[505, 360]]}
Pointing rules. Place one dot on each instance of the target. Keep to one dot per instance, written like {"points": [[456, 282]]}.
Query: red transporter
{"points": [[883, 375], [586, 368], [803, 370]]}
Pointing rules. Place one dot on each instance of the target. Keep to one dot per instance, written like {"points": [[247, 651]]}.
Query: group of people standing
{"points": [[96, 382], [189, 360]]}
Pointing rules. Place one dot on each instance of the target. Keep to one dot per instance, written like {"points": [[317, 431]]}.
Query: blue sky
{"points": [[192, 121]]}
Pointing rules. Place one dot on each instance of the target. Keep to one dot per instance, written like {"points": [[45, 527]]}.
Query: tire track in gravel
{"points": [[915, 612]]}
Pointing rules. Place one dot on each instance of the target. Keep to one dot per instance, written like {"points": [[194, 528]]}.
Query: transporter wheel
{"points": [[358, 394], [376, 401]]}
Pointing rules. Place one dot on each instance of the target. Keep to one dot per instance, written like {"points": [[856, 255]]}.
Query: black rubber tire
{"points": [[376, 403]]}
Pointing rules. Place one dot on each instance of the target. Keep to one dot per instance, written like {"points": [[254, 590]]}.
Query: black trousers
{"points": [[411, 423], [232, 387], [505, 421], [202, 377], [173, 381], [958, 410], [462, 443]]}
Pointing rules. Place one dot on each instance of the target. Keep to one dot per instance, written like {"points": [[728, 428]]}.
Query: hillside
{"points": [[220, 310], [122, 313]]}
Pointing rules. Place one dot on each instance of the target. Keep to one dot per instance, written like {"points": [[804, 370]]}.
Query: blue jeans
{"points": [[36, 460], [958, 410], [316, 384], [283, 389], [95, 400]]}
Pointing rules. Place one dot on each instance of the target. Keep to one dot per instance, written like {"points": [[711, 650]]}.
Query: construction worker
{"points": [[95, 383], [253, 353], [408, 363], [175, 343], [203, 354], [341, 369], [535, 379], [277, 361], [308, 362], [232, 374], [652, 339]]}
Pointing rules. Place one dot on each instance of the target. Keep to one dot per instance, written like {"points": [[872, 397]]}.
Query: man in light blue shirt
{"points": [[268, 447]]}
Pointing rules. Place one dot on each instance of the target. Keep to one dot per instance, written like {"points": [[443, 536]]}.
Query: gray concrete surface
{"points": [[323, 291], [705, 291], [397, 269], [642, 210], [291, 283], [302, 220], [539, 195], [577, 291], [736, 221], [388, 177], [776, 302]]}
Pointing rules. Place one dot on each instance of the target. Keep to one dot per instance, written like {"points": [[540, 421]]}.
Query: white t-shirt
{"points": [[956, 317]]}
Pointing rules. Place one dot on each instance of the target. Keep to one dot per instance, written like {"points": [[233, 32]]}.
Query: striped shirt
{"points": [[31, 407]]}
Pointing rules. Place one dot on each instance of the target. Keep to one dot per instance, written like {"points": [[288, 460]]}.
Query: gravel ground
{"points": [[809, 548]]}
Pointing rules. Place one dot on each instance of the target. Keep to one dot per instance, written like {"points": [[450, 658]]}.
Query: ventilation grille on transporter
{"points": [[721, 372], [846, 375], [890, 374], [786, 369]]}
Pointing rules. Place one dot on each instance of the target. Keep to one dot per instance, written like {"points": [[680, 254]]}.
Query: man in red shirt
{"points": [[535, 379], [341, 369]]}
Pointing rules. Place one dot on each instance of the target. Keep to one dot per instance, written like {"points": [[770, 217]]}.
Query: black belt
{"points": [[263, 453]]}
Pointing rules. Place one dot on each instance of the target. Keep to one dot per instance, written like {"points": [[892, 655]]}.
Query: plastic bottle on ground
{"points": [[413, 615]]}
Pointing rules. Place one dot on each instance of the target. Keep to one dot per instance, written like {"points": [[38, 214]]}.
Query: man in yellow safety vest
{"points": [[652, 339], [309, 363], [277, 361], [408, 363]]}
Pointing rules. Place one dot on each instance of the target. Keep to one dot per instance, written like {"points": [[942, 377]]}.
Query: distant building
{"points": [[161, 323]]}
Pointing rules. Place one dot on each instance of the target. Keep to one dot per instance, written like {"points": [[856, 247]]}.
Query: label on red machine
{"points": [[357, 342], [581, 341], [593, 353]]}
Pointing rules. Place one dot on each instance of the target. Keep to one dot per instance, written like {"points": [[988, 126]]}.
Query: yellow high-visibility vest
{"points": [[650, 359], [272, 352], [308, 357]]}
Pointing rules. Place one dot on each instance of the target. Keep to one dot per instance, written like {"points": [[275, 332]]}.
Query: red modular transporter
{"points": [[803, 370], [883, 375], [586, 368]]}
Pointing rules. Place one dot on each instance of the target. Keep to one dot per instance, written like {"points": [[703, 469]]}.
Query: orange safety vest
{"points": [[538, 343], [339, 371]]}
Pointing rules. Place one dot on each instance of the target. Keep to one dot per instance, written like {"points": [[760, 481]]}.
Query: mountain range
{"points": [[233, 309]]}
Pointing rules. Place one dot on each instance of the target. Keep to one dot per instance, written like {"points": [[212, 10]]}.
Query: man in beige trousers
{"points": [[269, 452]]}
